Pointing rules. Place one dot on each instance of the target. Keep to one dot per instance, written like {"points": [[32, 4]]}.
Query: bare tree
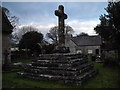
{"points": [[18, 33], [53, 33], [82, 34], [13, 19]]}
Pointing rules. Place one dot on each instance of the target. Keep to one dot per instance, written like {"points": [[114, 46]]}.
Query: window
{"points": [[79, 51], [97, 51], [90, 51]]}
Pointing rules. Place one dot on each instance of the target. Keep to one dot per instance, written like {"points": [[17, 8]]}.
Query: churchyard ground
{"points": [[107, 78]]}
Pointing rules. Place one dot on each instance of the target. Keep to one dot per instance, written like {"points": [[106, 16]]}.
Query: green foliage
{"points": [[30, 39], [110, 61], [109, 27], [82, 34], [49, 48]]}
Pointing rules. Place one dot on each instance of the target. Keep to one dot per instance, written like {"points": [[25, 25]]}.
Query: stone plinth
{"points": [[64, 68]]}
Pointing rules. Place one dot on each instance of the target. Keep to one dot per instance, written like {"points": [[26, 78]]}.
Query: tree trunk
{"points": [[26, 53], [119, 56]]}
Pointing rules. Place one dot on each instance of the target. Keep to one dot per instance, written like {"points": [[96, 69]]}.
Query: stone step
{"points": [[58, 61], [66, 79], [65, 68], [60, 67], [59, 56], [61, 71], [59, 64]]}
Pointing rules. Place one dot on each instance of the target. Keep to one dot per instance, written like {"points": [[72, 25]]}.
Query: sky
{"points": [[82, 16]]}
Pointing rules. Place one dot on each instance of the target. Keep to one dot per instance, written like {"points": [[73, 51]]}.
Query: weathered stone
{"points": [[64, 68], [61, 16]]}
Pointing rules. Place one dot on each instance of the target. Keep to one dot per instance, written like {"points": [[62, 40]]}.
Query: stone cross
{"points": [[61, 16]]}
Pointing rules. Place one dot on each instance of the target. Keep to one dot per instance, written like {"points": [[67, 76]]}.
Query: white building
{"points": [[84, 44]]}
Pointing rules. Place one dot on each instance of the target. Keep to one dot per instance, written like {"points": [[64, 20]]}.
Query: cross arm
{"points": [[58, 12]]}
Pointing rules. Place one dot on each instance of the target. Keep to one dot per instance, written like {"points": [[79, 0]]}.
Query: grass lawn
{"points": [[107, 78], [22, 61]]}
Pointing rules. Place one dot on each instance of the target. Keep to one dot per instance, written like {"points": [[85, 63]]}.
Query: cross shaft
{"points": [[61, 16]]}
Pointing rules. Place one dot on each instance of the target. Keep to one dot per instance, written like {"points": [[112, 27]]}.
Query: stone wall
{"points": [[5, 46], [69, 43], [85, 49], [82, 49]]}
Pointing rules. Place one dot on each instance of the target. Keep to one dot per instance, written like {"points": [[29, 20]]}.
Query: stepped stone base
{"points": [[63, 68]]}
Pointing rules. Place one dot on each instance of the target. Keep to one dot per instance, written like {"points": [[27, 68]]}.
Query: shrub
{"points": [[110, 62]]}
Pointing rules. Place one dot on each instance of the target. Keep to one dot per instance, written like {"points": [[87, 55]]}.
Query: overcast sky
{"points": [[82, 16]]}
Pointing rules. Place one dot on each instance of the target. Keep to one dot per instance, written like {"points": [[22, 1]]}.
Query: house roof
{"points": [[6, 25], [87, 40]]}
